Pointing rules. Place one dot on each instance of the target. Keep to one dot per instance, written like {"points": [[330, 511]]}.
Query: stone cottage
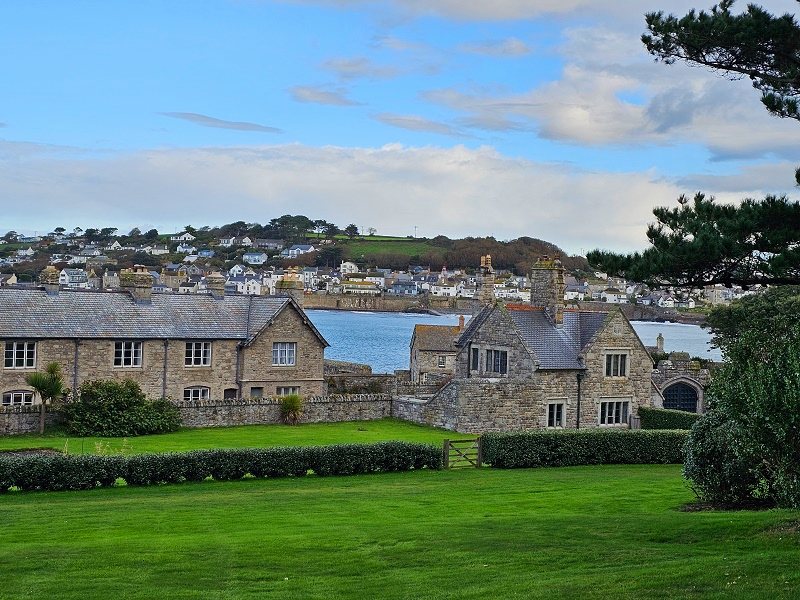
{"points": [[190, 347], [540, 365], [433, 353]]}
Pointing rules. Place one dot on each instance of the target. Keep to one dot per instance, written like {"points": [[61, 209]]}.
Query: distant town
{"points": [[318, 258]]}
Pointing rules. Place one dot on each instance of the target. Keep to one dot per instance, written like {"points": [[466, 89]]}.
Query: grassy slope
{"points": [[254, 436], [408, 248], [587, 532]]}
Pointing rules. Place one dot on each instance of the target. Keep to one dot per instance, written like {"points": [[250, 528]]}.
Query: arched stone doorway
{"points": [[681, 396]]}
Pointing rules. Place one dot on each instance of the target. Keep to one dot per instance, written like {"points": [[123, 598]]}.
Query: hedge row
{"points": [[583, 447], [79, 472], [663, 418]]}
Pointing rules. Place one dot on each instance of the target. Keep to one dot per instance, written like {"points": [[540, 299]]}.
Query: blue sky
{"points": [[508, 118]]}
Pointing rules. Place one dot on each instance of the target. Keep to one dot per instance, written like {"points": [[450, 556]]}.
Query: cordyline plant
{"points": [[49, 385]]}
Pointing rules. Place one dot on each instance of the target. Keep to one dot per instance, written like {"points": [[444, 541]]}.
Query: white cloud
{"points": [[207, 121], [359, 67], [416, 123], [321, 95], [508, 47], [455, 192]]}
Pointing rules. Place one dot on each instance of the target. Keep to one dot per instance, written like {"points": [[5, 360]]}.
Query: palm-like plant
{"points": [[49, 385]]}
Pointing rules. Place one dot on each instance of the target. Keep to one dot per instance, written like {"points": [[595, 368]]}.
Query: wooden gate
{"points": [[459, 454]]}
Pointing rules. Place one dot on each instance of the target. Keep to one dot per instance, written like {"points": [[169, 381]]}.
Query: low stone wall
{"points": [[25, 419], [341, 384], [387, 303], [257, 411]]}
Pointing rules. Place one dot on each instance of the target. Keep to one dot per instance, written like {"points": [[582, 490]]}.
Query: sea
{"points": [[382, 339]]}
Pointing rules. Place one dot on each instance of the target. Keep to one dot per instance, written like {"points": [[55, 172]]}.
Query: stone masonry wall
{"points": [[318, 409], [25, 419]]}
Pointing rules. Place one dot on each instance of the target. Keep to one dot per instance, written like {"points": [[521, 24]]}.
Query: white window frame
{"points": [[198, 354], [441, 361], [616, 363], [284, 354], [197, 392], [17, 398], [20, 354], [285, 390], [553, 411], [127, 354], [614, 412]]}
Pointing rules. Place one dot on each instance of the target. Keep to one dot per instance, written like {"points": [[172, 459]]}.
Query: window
{"points": [[20, 355], [198, 354], [196, 393], [230, 393], [614, 412], [474, 360], [497, 361], [283, 353], [442, 362], [20, 398], [555, 414], [616, 365], [127, 354], [286, 390], [256, 392]]}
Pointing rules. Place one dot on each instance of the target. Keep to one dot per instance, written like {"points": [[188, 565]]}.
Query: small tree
{"points": [[49, 385], [351, 231], [291, 409]]}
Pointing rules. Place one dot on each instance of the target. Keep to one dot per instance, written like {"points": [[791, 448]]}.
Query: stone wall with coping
{"points": [[25, 419], [259, 411]]}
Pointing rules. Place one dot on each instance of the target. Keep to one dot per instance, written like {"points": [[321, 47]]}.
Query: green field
{"points": [[584, 532], [408, 248], [248, 436]]}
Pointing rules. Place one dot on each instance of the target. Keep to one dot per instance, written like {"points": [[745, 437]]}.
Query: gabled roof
{"points": [[112, 315], [554, 347], [435, 338]]}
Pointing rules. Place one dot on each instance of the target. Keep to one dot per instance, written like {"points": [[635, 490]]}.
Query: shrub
{"points": [[291, 409], [116, 409], [718, 464], [65, 472], [582, 447], [663, 418]]}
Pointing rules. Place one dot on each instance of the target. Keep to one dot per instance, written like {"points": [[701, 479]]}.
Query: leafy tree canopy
{"points": [[701, 243]]}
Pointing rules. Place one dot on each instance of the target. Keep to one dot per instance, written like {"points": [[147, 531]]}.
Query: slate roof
{"points": [[554, 347], [73, 314], [435, 338]]}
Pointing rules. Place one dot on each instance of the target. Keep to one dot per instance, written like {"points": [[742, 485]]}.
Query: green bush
{"points": [[117, 409], [65, 472], [718, 464], [664, 418], [565, 448], [291, 409]]}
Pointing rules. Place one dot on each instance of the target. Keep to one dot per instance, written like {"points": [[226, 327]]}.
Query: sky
{"points": [[509, 118]]}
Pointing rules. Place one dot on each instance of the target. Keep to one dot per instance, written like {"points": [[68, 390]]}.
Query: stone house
{"points": [[541, 365], [433, 352], [190, 347]]}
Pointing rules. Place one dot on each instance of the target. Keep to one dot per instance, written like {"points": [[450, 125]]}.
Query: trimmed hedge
{"points": [[583, 447], [80, 472], [664, 418]]}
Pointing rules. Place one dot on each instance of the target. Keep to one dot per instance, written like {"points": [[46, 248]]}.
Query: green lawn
{"points": [[585, 532], [248, 436]]}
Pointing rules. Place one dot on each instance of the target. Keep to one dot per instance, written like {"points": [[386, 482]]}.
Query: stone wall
{"points": [[387, 303], [360, 384], [25, 419], [317, 409]]}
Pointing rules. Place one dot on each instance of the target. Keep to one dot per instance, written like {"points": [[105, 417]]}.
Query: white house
{"points": [[73, 278], [186, 249], [348, 268], [183, 237], [255, 258]]}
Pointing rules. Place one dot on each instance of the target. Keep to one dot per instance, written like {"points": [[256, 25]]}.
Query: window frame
{"points": [[194, 358], [441, 361], [558, 420], [496, 361], [475, 359], [284, 354], [616, 364], [135, 358], [12, 393], [13, 355], [203, 392], [286, 390], [619, 416]]}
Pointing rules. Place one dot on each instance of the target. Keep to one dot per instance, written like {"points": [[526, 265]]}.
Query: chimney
{"points": [[660, 343], [547, 288], [290, 285], [485, 281], [49, 279], [215, 282], [138, 282], [461, 322]]}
